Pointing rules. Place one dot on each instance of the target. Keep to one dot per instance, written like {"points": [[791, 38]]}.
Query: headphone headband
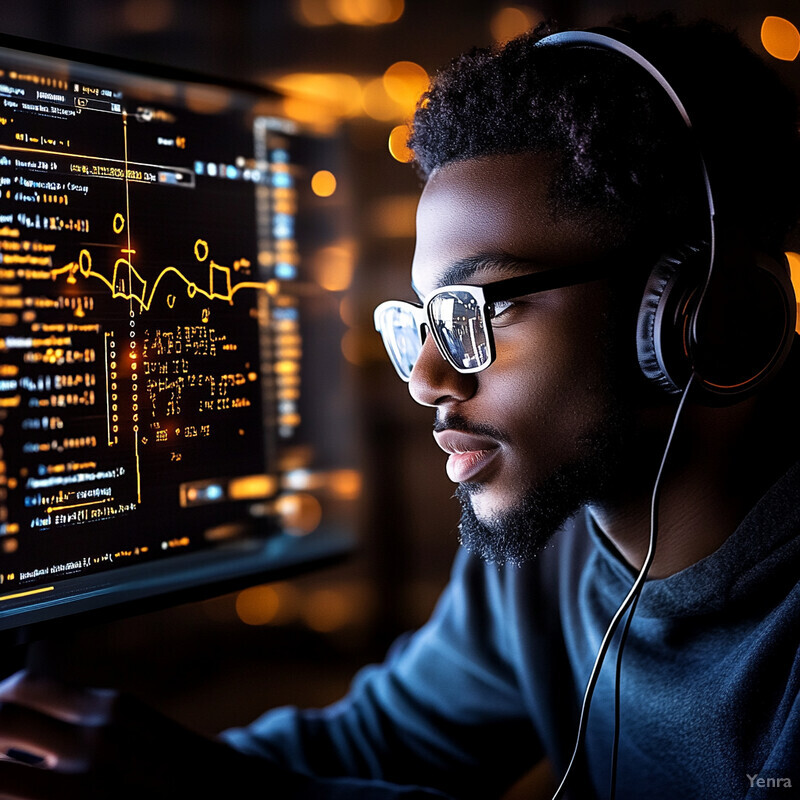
{"points": [[603, 40], [608, 41], [672, 331]]}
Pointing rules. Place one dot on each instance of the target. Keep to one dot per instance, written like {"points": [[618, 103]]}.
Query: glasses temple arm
{"points": [[561, 277]]}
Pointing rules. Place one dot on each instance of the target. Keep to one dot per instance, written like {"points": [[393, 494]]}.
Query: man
{"points": [[570, 170]]}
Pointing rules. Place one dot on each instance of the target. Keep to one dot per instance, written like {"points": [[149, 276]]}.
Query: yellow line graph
{"points": [[143, 292], [50, 509], [27, 594], [127, 192]]}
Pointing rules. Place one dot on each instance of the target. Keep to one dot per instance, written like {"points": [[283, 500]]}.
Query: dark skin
{"points": [[545, 389], [546, 385]]}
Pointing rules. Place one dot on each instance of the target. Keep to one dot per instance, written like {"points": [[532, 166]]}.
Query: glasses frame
{"points": [[486, 295]]}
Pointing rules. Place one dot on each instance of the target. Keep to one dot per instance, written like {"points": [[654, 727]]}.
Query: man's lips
{"points": [[469, 453]]}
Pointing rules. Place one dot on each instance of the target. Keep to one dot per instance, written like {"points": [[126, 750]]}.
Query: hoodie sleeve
{"points": [[443, 710]]}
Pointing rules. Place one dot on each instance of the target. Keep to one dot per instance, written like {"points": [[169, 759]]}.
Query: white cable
{"points": [[635, 590]]}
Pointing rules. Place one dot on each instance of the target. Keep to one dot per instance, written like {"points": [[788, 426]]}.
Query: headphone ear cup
{"points": [[733, 337], [743, 330], [660, 336]]}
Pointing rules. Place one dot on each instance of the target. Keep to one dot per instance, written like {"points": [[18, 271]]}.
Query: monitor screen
{"points": [[171, 421]]}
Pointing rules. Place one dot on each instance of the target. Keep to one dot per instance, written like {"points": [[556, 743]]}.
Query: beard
{"points": [[518, 534]]}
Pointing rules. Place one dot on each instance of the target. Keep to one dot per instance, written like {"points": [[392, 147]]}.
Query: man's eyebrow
{"points": [[465, 269]]}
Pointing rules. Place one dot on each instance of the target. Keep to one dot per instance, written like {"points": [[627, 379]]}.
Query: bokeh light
{"points": [[345, 484], [780, 38], [10, 545], [336, 92], [300, 513], [794, 266], [334, 265], [313, 12], [395, 216], [348, 12], [405, 82], [348, 312], [323, 183], [398, 146], [376, 101], [351, 347], [512, 21], [257, 605]]}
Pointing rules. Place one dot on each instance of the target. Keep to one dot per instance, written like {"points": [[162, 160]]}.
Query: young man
{"points": [[569, 169]]}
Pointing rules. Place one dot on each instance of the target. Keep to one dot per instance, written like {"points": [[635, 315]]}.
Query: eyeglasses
{"points": [[459, 317]]}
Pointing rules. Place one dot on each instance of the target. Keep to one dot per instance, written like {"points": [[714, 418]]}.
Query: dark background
{"points": [[200, 663]]}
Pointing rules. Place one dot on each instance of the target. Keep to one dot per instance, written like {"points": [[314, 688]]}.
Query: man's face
{"points": [[537, 434]]}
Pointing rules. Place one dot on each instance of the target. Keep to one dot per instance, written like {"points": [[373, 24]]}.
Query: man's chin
{"points": [[502, 529], [516, 532], [513, 535], [485, 502]]}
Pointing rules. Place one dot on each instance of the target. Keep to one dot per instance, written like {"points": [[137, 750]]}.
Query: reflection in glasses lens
{"points": [[402, 338], [460, 329]]}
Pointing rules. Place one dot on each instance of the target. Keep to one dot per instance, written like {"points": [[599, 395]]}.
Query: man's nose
{"points": [[434, 381]]}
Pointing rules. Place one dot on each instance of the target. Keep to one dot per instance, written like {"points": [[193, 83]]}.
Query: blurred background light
{"points": [[352, 347], [338, 93], [398, 144], [780, 38], [405, 82], [394, 216], [328, 610], [318, 13], [512, 21], [348, 312], [257, 605], [333, 266], [313, 12], [794, 266], [323, 183], [301, 513], [345, 484], [377, 103]]}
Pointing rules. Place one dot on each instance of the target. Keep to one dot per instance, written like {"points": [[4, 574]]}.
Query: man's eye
{"points": [[499, 307]]}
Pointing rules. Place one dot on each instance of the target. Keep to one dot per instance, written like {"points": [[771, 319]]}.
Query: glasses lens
{"points": [[401, 336], [458, 322]]}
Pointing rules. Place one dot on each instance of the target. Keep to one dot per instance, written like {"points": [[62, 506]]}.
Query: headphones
{"points": [[723, 315]]}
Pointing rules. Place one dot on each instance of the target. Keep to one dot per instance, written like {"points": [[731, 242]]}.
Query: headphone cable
{"points": [[630, 601]]}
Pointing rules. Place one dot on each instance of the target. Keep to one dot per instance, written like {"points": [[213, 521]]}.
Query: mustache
{"points": [[455, 421]]}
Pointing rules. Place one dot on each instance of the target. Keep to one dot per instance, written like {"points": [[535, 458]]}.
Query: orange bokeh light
{"points": [[780, 38], [257, 605], [323, 183], [405, 82], [512, 21], [398, 146], [794, 266], [334, 265], [348, 12]]}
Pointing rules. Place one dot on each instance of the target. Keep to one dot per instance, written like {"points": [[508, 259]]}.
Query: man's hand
{"points": [[60, 742]]}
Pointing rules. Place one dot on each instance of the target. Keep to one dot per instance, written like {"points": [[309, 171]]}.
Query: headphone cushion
{"points": [[649, 323]]}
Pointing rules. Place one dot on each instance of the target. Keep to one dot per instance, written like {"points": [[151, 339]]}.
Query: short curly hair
{"points": [[620, 144]]}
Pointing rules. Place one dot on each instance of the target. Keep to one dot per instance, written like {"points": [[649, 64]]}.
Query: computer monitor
{"points": [[172, 417]]}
